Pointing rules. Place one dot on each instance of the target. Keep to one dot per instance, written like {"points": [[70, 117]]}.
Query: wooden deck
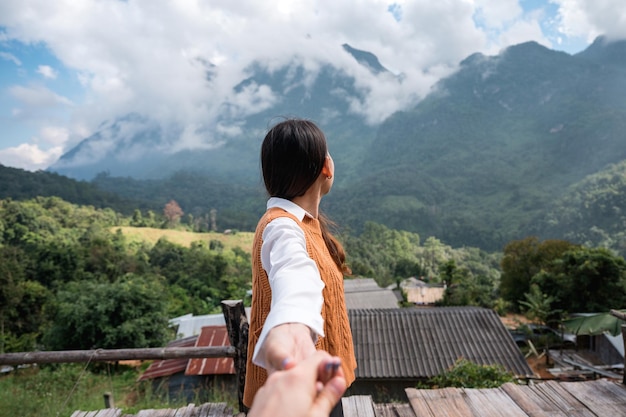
{"points": [[204, 410], [601, 398]]}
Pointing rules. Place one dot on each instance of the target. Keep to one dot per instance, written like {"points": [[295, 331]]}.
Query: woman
{"points": [[298, 303]]}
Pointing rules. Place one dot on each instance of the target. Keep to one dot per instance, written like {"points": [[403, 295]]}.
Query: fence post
{"points": [[108, 400], [624, 338], [237, 326]]}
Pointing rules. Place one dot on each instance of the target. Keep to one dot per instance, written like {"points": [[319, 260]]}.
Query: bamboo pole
{"points": [[102, 355]]}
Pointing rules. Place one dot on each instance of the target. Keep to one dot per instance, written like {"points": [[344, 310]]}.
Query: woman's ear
{"points": [[327, 169]]}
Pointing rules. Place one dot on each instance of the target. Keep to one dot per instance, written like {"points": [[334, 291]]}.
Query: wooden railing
{"points": [[236, 325]]}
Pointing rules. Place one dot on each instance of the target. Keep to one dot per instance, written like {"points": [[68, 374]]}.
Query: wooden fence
{"points": [[236, 325]]}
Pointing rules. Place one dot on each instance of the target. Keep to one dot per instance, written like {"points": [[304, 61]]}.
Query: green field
{"points": [[185, 238]]}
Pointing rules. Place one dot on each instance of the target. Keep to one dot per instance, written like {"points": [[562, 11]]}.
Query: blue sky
{"points": [[67, 66]]}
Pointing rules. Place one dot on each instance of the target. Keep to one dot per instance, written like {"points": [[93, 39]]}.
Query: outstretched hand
{"points": [[286, 345], [310, 388]]}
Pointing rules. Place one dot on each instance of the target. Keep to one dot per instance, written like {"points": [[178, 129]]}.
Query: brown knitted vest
{"points": [[338, 336]]}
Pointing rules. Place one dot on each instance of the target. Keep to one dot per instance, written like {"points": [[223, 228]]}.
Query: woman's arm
{"points": [[295, 319]]}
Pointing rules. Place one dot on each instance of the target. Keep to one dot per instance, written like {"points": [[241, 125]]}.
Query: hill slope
{"points": [[482, 157], [491, 155]]}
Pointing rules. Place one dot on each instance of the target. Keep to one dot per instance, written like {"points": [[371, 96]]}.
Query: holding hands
{"points": [[310, 388], [287, 345]]}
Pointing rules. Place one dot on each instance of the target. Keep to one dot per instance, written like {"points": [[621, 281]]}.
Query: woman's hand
{"points": [[309, 389], [286, 345]]}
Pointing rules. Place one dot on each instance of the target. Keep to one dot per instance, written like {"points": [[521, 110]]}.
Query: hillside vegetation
{"points": [[489, 156], [78, 277]]}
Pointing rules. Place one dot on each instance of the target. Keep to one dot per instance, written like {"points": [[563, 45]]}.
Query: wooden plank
{"points": [[393, 410], [358, 406], [600, 400], [213, 410], [492, 402], [593, 369], [532, 401], [156, 413], [185, 411], [418, 403], [445, 402], [110, 412], [555, 392]]}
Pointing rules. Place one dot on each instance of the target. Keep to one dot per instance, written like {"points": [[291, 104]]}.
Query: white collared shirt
{"points": [[293, 276]]}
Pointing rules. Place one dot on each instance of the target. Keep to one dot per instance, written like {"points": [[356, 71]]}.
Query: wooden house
{"points": [[420, 293], [365, 293]]}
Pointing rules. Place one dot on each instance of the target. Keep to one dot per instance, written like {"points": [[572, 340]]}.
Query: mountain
{"points": [[137, 146], [19, 184], [509, 145], [481, 159]]}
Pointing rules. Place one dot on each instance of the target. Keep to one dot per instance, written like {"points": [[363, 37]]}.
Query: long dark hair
{"points": [[293, 154]]}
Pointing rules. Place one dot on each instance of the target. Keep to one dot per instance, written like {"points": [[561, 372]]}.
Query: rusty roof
{"points": [[424, 342], [167, 367], [209, 336]]}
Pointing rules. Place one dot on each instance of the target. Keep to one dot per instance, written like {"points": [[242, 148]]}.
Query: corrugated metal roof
{"points": [[190, 325], [211, 336], [424, 342], [167, 367], [365, 293]]}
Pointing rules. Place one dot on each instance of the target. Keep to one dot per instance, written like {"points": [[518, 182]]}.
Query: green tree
{"points": [[11, 290], [585, 280], [523, 259], [464, 288], [537, 306], [128, 313]]}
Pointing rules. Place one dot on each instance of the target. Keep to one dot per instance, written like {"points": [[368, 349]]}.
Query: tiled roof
{"points": [[424, 342]]}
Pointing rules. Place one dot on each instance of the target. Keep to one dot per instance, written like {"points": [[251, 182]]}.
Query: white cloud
{"points": [[38, 96], [54, 135], [47, 71], [10, 57], [589, 19], [29, 157], [154, 57]]}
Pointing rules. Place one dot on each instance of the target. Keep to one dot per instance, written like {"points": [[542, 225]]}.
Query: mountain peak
{"points": [[606, 51], [366, 59]]}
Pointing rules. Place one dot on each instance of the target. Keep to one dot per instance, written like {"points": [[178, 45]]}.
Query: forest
{"points": [[70, 279]]}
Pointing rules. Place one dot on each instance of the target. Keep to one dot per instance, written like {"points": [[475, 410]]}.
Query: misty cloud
{"points": [[178, 63]]}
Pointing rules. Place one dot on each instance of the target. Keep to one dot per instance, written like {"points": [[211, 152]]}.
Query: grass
{"points": [[59, 390], [151, 235]]}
